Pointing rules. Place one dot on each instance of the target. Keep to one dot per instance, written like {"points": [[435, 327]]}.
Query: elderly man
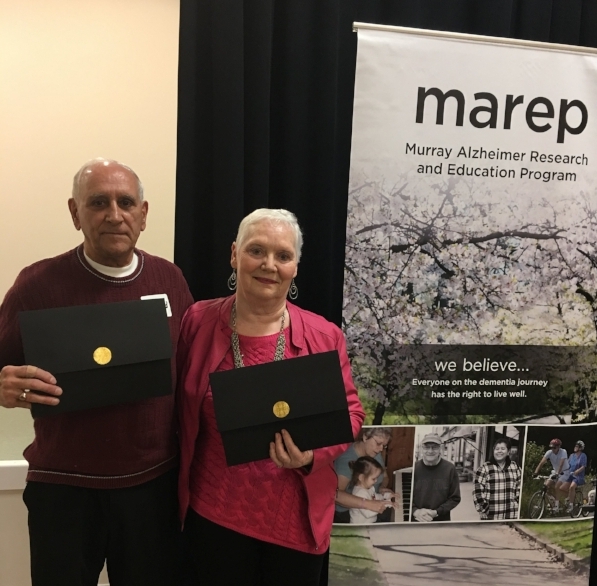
{"points": [[101, 483], [558, 458], [436, 489]]}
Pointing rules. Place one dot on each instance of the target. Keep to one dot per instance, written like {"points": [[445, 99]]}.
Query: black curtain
{"points": [[265, 114], [265, 109]]}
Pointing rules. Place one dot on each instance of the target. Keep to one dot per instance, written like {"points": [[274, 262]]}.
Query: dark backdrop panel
{"points": [[265, 111]]}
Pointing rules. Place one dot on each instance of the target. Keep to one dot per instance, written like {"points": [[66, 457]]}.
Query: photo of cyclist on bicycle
{"points": [[575, 476], [558, 458]]}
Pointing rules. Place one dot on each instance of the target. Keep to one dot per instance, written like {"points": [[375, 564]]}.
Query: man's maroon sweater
{"points": [[107, 447]]}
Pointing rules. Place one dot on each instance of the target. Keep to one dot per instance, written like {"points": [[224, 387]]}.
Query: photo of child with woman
{"points": [[368, 474]]}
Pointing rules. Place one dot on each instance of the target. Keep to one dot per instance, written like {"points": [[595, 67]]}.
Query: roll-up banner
{"points": [[470, 311]]}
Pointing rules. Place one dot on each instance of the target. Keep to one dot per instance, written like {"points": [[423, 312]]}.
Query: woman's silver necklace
{"points": [[238, 357]]}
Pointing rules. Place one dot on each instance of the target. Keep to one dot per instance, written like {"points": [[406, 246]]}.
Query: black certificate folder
{"points": [[101, 354], [304, 395]]}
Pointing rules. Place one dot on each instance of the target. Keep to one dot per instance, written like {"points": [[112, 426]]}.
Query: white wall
{"points": [[78, 79]]}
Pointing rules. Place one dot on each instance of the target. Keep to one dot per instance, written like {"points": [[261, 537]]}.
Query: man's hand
{"points": [[21, 385], [424, 515], [285, 454]]}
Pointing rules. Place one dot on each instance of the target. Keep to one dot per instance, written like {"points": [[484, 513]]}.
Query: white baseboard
{"points": [[13, 474]]}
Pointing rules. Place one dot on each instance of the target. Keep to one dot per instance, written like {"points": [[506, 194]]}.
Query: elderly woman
{"points": [[574, 476], [266, 522], [497, 484], [373, 442]]}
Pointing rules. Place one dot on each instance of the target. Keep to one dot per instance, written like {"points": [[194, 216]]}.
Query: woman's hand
{"points": [[377, 506], [285, 454]]}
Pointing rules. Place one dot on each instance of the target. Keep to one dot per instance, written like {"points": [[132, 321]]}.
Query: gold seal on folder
{"points": [[281, 409], [102, 355]]}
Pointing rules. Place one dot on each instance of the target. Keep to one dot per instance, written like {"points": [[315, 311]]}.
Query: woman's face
{"points": [[500, 452], [375, 445], [266, 262]]}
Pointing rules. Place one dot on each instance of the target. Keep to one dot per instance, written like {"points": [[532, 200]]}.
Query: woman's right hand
{"points": [[377, 506], [285, 454]]}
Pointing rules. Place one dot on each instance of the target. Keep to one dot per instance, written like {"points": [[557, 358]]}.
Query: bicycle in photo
{"points": [[579, 501], [542, 504], [589, 506]]}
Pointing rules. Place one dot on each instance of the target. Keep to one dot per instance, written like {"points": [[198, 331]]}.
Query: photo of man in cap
{"points": [[436, 487]]}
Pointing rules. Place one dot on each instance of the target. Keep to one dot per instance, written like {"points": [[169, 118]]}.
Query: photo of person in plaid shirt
{"points": [[497, 484]]}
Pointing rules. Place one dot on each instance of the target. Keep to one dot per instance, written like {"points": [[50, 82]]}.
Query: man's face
{"points": [[555, 449], [431, 453], [110, 214]]}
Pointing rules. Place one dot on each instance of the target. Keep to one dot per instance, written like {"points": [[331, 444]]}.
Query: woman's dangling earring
{"points": [[232, 281], [293, 291]]}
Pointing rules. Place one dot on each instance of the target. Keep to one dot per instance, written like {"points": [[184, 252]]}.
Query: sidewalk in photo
{"points": [[483, 554], [465, 511]]}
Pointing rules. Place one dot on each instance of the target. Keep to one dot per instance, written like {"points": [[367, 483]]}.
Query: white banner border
{"points": [[356, 26]]}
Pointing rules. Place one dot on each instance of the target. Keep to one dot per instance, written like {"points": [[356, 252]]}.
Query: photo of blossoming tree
{"points": [[432, 259]]}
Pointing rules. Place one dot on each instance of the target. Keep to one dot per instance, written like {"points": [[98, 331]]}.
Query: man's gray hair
{"points": [[276, 217], [99, 161]]}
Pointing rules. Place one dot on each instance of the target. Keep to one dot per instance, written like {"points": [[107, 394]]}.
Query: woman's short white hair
{"points": [[275, 217], [369, 432], [101, 161]]}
